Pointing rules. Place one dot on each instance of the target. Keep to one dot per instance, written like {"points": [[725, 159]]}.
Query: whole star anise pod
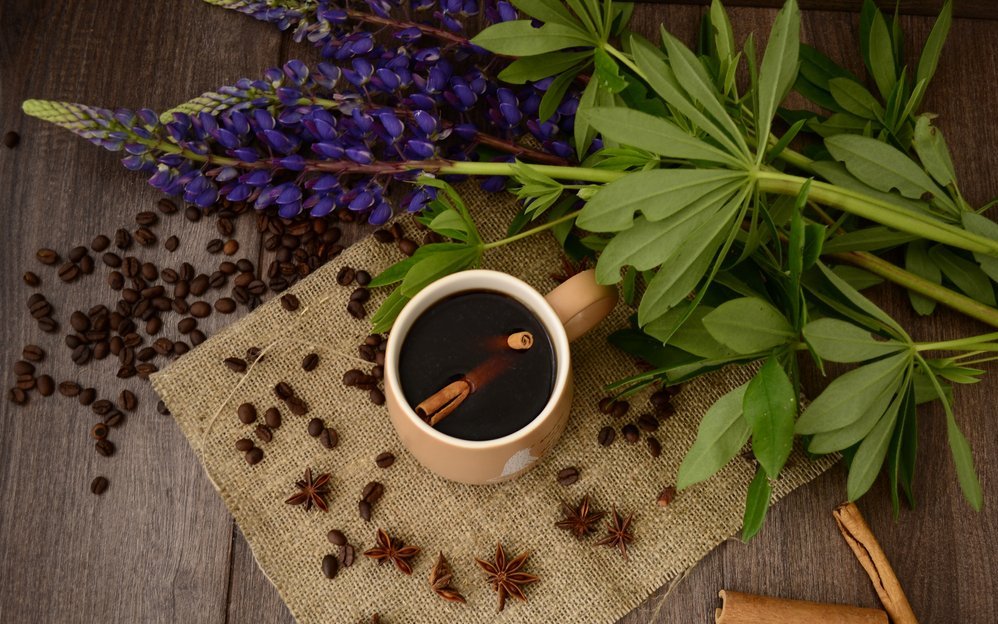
{"points": [[440, 578], [392, 549], [579, 520], [618, 533], [311, 491], [505, 576]]}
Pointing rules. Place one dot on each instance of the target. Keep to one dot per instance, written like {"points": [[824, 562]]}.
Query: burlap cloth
{"points": [[580, 582]]}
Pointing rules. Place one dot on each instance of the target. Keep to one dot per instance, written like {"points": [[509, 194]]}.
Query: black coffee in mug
{"points": [[468, 332]]}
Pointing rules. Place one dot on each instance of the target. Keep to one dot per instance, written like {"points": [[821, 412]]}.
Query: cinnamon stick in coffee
{"points": [[739, 608], [871, 556]]}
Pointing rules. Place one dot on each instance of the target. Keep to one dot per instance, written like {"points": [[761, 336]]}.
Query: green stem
{"points": [[877, 210], [960, 344], [586, 174], [530, 232], [949, 298]]}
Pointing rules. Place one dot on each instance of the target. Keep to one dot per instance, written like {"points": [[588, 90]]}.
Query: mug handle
{"points": [[581, 303]]}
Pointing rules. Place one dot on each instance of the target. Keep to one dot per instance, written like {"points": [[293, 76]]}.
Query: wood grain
{"points": [[160, 547]]}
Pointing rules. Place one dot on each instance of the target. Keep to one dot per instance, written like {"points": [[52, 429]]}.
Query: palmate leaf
{"points": [[932, 151], [872, 451], [867, 239], [721, 435], [691, 336]]}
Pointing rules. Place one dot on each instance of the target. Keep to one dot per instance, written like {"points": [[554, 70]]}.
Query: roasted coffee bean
{"points": [[69, 388], [336, 537], [23, 367], [247, 413], [660, 399], [197, 337], [568, 476], [619, 408], [33, 353], [297, 406], [11, 139], [69, 272], [153, 326], [356, 309], [243, 279], [76, 253], [310, 363], [112, 260], [254, 456], [364, 510], [236, 365], [278, 284], [378, 372], [32, 279], [361, 295], [244, 444], [99, 431], [373, 492], [240, 295], [98, 486], [366, 352], [225, 305], [272, 417], [647, 422], [100, 243], [407, 246], [199, 285], [264, 433], [384, 460], [122, 239], [163, 346], [127, 400], [81, 355], [345, 276], [330, 566], [186, 271], [17, 396], [104, 448], [376, 396], [245, 266], [145, 237], [373, 340], [228, 268], [256, 287], [41, 309], [47, 256], [363, 278], [47, 325], [329, 438], [169, 276], [383, 236], [114, 418], [352, 377], [665, 411], [25, 382], [315, 427], [200, 309], [290, 302], [146, 218], [101, 350], [606, 405], [115, 280], [192, 214], [630, 433], [151, 273], [86, 265], [666, 496], [654, 446], [346, 555], [87, 396], [79, 321], [102, 407], [45, 385], [162, 409], [225, 227], [187, 325], [215, 246], [166, 206], [230, 247], [606, 436]]}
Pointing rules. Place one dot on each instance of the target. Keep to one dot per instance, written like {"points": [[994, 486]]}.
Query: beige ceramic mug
{"points": [[567, 312]]}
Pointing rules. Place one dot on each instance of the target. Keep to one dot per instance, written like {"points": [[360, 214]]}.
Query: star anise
{"points": [[580, 520], [505, 576], [311, 491], [618, 533], [392, 549], [440, 578]]}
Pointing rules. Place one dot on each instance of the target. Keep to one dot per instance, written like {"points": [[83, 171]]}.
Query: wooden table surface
{"points": [[160, 546]]}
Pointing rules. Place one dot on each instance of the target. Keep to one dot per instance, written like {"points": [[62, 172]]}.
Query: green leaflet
{"points": [[583, 132], [860, 301], [839, 123], [449, 223], [657, 193], [855, 99], [520, 38], [967, 276], [724, 38], [881, 51], [903, 452], [769, 406], [839, 341], [756, 504], [549, 11], [722, 433], [748, 325], [867, 239], [934, 45], [881, 166], [657, 135], [779, 67], [917, 261], [396, 272], [856, 277], [852, 395], [437, 265], [607, 72], [692, 336], [848, 435], [872, 450], [932, 151], [837, 174], [530, 68], [389, 309], [979, 224]]}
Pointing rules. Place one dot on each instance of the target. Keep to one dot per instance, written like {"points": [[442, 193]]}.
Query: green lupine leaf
{"points": [[548, 11], [934, 44], [903, 451], [583, 132], [867, 239], [628, 289], [656, 193], [396, 272], [932, 151], [858, 300], [785, 140], [779, 66], [839, 341], [756, 504], [722, 433], [856, 277], [846, 436], [869, 457], [607, 71], [657, 135], [881, 50], [724, 38], [855, 99], [967, 276], [839, 123], [963, 457], [520, 38], [748, 325], [979, 224], [531, 68], [852, 395], [819, 69], [837, 174], [388, 311], [769, 406], [449, 223], [437, 265], [917, 261], [881, 166], [691, 336]]}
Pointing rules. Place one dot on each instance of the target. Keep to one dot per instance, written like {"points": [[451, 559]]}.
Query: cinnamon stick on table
{"points": [[871, 556], [739, 608]]}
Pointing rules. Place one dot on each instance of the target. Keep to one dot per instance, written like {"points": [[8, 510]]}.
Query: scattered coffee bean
{"points": [[47, 256], [87, 396], [76, 253], [310, 362], [68, 272], [289, 302], [364, 509], [45, 385], [660, 399], [17, 396], [244, 444], [606, 436], [171, 244], [619, 409], [11, 139], [330, 566], [383, 236], [33, 353], [376, 396], [104, 448], [407, 246], [264, 433], [146, 218], [246, 413], [225, 305], [363, 278], [336, 537], [272, 417], [345, 276], [373, 492], [384, 460], [647, 422], [127, 400], [166, 206], [316, 427], [356, 309], [187, 325], [99, 485], [346, 555], [236, 365], [329, 438], [200, 309], [99, 431], [254, 455], [630, 433], [145, 237], [361, 295], [69, 388], [192, 214], [32, 279], [47, 325], [100, 243], [666, 496], [654, 446], [114, 418], [283, 390], [162, 409], [352, 377], [568, 476], [230, 247], [112, 260], [22, 367]]}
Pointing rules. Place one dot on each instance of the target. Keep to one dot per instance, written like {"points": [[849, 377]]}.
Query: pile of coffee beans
{"points": [[371, 494], [647, 423], [371, 350], [346, 554]]}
